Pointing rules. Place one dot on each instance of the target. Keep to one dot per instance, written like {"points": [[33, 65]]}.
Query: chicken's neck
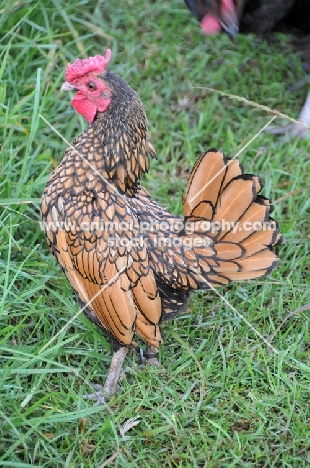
{"points": [[117, 144]]}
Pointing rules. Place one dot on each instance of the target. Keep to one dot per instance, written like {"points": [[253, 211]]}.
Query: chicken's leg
{"points": [[150, 356], [112, 379], [299, 130]]}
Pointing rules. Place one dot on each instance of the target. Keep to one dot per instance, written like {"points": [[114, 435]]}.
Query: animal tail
{"points": [[223, 203]]}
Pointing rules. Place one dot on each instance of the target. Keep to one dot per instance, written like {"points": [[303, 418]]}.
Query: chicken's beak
{"points": [[229, 22], [231, 30], [67, 87]]}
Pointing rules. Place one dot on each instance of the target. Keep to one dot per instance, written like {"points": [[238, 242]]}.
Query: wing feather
{"points": [[116, 284]]}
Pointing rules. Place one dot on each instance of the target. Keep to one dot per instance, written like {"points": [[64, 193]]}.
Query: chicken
{"points": [[261, 17], [130, 261], [217, 15], [251, 16]]}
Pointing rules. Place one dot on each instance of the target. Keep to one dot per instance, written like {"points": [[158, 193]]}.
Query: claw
{"points": [[149, 356], [98, 396], [111, 383]]}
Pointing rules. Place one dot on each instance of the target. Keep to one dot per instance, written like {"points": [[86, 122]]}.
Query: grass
{"points": [[220, 398]]}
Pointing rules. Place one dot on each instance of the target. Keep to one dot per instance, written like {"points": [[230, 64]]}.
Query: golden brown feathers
{"points": [[131, 262], [128, 284]]}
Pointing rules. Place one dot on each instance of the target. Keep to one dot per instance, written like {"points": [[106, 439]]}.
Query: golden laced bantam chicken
{"points": [[130, 261], [261, 17]]}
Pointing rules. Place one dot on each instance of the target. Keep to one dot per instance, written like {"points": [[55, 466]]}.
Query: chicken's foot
{"points": [[150, 355], [299, 130], [110, 386]]}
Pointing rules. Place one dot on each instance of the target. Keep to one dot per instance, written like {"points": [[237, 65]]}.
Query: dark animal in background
{"points": [[261, 17]]}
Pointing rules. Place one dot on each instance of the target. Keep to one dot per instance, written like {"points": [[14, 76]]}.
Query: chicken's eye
{"points": [[91, 85]]}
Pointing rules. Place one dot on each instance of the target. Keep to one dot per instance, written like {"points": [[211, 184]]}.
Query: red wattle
{"points": [[85, 107], [88, 105]]}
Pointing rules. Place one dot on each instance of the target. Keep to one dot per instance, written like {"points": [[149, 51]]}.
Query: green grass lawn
{"points": [[220, 398]]}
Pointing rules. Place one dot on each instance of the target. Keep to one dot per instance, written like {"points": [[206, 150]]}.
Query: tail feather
{"points": [[261, 260], [257, 213], [227, 267], [212, 170], [258, 241], [219, 279], [235, 200], [242, 235], [233, 169], [204, 209], [248, 275], [228, 250]]}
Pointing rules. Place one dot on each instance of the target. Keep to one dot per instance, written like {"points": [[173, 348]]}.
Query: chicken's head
{"points": [[217, 15], [93, 94]]}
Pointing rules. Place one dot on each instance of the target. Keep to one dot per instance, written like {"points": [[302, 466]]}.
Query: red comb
{"points": [[81, 67]]}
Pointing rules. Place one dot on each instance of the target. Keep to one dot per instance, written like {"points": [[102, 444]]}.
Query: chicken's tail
{"points": [[222, 203]]}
